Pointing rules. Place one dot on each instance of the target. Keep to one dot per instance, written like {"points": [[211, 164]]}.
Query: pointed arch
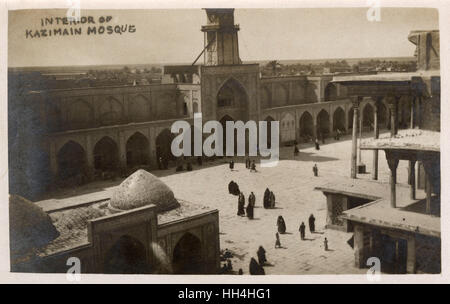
{"points": [[137, 149], [80, 114], [368, 117], [139, 108], [106, 155], [110, 111], [127, 256], [339, 119], [306, 124], [187, 255], [72, 162], [163, 148], [323, 124]]}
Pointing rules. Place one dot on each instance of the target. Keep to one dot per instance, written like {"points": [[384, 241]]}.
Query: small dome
{"points": [[140, 189], [30, 226]]}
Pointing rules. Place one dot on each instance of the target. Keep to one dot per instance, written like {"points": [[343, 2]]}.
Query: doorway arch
{"points": [[71, 161], [163, 146], [323, 124], [339, 120], [187, 255], [106, 155], [306, 126], [368, 117], [137, 150], [127, 256]]}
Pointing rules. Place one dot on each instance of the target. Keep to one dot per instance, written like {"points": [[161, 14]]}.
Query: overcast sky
{"points": [[174, 36]]}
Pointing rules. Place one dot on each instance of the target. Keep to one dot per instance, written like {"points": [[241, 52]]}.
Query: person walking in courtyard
{"points": [[311, 222], [316, 143], [231, 165], [325, 244], [261, 255], [255, 268], [241, 205], [302, 231], [266, 200], [272, 200], [249, 210], [296, 150], [253, 167], [277, 242], [315, 170], [281, 225], [252, 199]]}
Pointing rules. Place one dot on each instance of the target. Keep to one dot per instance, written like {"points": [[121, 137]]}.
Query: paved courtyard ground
{"points": [[293, 183]]}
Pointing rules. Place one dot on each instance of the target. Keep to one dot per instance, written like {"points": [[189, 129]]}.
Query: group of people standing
{"points": [[250, 164], [269, 199], [256, 267], [242, 210], [312, 227]]}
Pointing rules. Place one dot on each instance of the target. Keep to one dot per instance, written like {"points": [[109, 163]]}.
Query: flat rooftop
{"points": [[409, 214], [411, 139], [404, 217], [367, 189], [71, 220], [387, 77]]}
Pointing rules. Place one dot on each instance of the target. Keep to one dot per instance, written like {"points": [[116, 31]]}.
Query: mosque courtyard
{"points": [[292, 182]]}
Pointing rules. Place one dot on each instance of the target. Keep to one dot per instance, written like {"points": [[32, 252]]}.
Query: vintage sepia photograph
{"points": [[224, 141]]}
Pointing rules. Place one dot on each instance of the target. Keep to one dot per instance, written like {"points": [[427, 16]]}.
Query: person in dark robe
{"points": [[296, 150], [240, 272], [231, 165], [316, 143], [266, 200], [277, 242], [312, 224], [315, 170], [261, 255], [255, 268], [249, 210], [272, 200], [281, 225], [302, 231], [253, 167], [231, 187], [325, 244], [252, 199], [241, 205]]}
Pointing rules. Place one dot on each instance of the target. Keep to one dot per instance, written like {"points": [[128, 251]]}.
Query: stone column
{"points": [[411, 255], [412, 178], [393, 163], [376, 133], [90, 157], [355, 102], [428, 192], [53, 161], [393, 114], [122, 153], [358, 245], [413, 112]]}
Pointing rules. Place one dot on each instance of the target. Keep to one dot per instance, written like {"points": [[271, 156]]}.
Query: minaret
{"points": [[221, 39]]}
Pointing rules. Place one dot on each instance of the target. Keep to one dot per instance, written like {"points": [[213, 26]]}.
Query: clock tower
{"points": [[221, 39]]}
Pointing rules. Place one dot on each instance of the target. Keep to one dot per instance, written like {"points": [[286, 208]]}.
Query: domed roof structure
{"points": [[30, 226], [140, 189]]}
